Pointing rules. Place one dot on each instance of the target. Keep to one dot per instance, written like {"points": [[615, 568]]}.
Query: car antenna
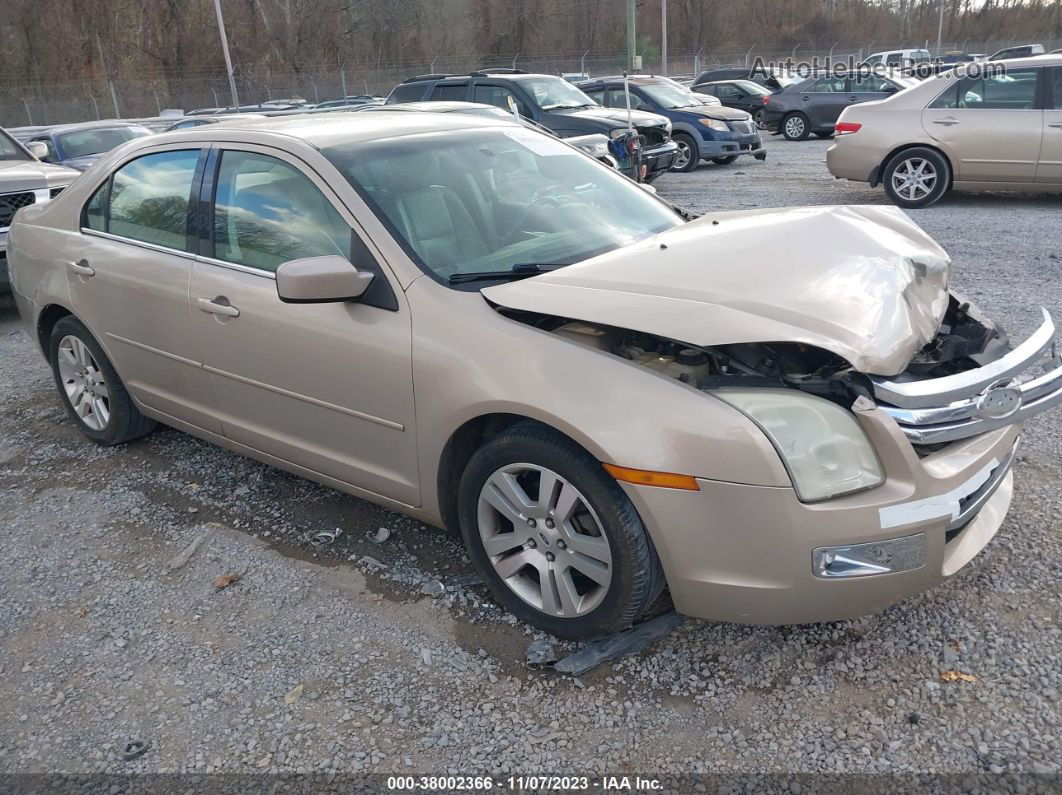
{"points": [[627, 95]]}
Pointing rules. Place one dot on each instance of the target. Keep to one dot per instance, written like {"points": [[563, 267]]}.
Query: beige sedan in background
{"points": [[480, 326], [984, 126]]}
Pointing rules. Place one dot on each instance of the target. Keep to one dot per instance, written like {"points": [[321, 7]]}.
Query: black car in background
{"points": [[558, 105], [744, 95], [773, 81], [813, 105]]}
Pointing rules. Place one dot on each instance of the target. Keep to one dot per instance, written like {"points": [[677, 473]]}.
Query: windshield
{"points": [[754, 89], [552, 92], [669, 97], [95, 141], [9, 150], [473, 201]]}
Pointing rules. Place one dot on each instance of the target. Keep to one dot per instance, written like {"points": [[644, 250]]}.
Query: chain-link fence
{"points": [[56, 102]]}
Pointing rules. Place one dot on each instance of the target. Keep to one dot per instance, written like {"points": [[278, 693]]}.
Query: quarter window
{"points": [[148, 199], [267, 212], [96, 209]]}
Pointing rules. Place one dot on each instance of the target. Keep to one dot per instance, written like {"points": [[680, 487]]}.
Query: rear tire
{"points": [[917, 177], [795, 126], [724, 161], [574, 560], [688, 155], [90, 389]]}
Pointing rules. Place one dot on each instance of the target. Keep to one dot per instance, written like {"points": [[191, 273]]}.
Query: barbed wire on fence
{"points": [[55, 100]]}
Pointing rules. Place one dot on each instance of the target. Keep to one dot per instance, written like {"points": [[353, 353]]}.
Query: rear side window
{"points": [[827, 85], [406, 92], [267, 212], [148, 199], [96, 209], [1015, 90], [450, 93]]}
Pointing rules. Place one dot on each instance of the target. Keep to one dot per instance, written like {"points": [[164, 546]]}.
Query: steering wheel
{"points": [[537, 200]]}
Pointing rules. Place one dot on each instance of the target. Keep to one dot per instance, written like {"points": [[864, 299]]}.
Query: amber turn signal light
{"points": [[644, 477]]}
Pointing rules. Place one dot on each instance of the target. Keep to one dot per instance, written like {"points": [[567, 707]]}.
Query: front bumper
{"points": [[655, 161], [741, 553], [997, 394], [736, 144]]}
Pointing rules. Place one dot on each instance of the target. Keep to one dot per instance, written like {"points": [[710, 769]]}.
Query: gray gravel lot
{"points": [[346, 659]]}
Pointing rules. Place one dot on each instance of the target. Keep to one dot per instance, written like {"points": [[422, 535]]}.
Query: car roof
{"points": [[107, 124], [326, 130]]}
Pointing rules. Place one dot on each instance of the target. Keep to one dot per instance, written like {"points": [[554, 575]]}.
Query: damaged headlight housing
{"points": [[820, 443]]}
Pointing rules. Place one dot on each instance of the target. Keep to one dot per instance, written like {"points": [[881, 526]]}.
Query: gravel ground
{"points": [[359, 657]]}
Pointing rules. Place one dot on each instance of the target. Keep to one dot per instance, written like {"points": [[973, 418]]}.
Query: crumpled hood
{"points": [[19, 175], [865, 283]]}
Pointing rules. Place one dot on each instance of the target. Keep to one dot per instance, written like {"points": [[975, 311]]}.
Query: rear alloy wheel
{"points": [[688, 155], [795, 127], [760, 118], [554, 536], [917, 178], [93, 394]]}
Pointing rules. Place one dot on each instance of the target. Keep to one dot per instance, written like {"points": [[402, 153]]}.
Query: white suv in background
{"points": [[24, 180]]}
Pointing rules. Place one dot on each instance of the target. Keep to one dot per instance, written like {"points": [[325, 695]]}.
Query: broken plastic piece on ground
{"points": [[294, 694], [134, 748], [433, 588], [380, 535], [463, 580], [186, 554], [957, 676], [225, 580], [623, 644], [541, 653], [326, 537]]}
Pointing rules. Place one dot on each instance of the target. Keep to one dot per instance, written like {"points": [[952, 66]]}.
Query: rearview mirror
{"points": [[38, 149], [319, 280]]}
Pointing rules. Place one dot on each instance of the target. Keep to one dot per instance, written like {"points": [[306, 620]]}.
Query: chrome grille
{"points": [[1001, 393], [10, 203]]}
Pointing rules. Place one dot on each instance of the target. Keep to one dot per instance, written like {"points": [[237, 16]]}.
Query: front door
{"points": [[329, 386], [990, 126], [1050, 166], [129, 278], [824, 100]]}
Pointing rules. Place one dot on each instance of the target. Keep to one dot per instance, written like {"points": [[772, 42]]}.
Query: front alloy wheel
{"points": [[554, 536], [544, 540], [688, 155]]}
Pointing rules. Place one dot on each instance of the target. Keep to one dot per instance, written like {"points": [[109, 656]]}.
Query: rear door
{"points": [[991, 125], [869, 87], [1050, 166], [823, 101], [129, 280]]}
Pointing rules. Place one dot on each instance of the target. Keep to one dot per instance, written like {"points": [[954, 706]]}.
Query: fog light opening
{"points": [[866, 560]]}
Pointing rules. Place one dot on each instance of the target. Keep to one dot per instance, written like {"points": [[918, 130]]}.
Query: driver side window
{"points": [[267, 212], [499, 97]]}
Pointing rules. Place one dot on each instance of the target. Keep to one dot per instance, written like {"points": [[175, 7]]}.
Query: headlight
{"points": [[715, 124], [667, 127], [823, 447]]}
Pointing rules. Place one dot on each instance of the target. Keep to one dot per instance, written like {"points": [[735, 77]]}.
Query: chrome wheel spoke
{"points": [[503, 542], [593, 547], [506, 495], [596, 570]]}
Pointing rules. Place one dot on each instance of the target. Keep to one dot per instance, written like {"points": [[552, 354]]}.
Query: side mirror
{"points": [[319, 280], [38, 149]]}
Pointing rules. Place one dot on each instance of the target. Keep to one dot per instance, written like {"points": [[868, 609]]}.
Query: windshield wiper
{"points": [[565, 106], [519, 271]]}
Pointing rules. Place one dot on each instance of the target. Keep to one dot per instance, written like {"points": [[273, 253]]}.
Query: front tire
{"points": [[91, 390], [795, 126], [917, 177], [554, 536], [688, 155]]}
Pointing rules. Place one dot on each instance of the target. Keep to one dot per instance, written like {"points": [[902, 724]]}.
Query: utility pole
{"points": [[225, 51], [940, 26], [630, 33], [663, 37]]}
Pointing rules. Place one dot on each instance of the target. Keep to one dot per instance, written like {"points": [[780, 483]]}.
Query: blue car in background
{"points": [[701, 132]]}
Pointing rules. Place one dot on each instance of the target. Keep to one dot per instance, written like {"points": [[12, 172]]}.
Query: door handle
{"points": [[853, 98], [1055, 124], [946, 122], [214, 308], [82, 268], [806, 98]]}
